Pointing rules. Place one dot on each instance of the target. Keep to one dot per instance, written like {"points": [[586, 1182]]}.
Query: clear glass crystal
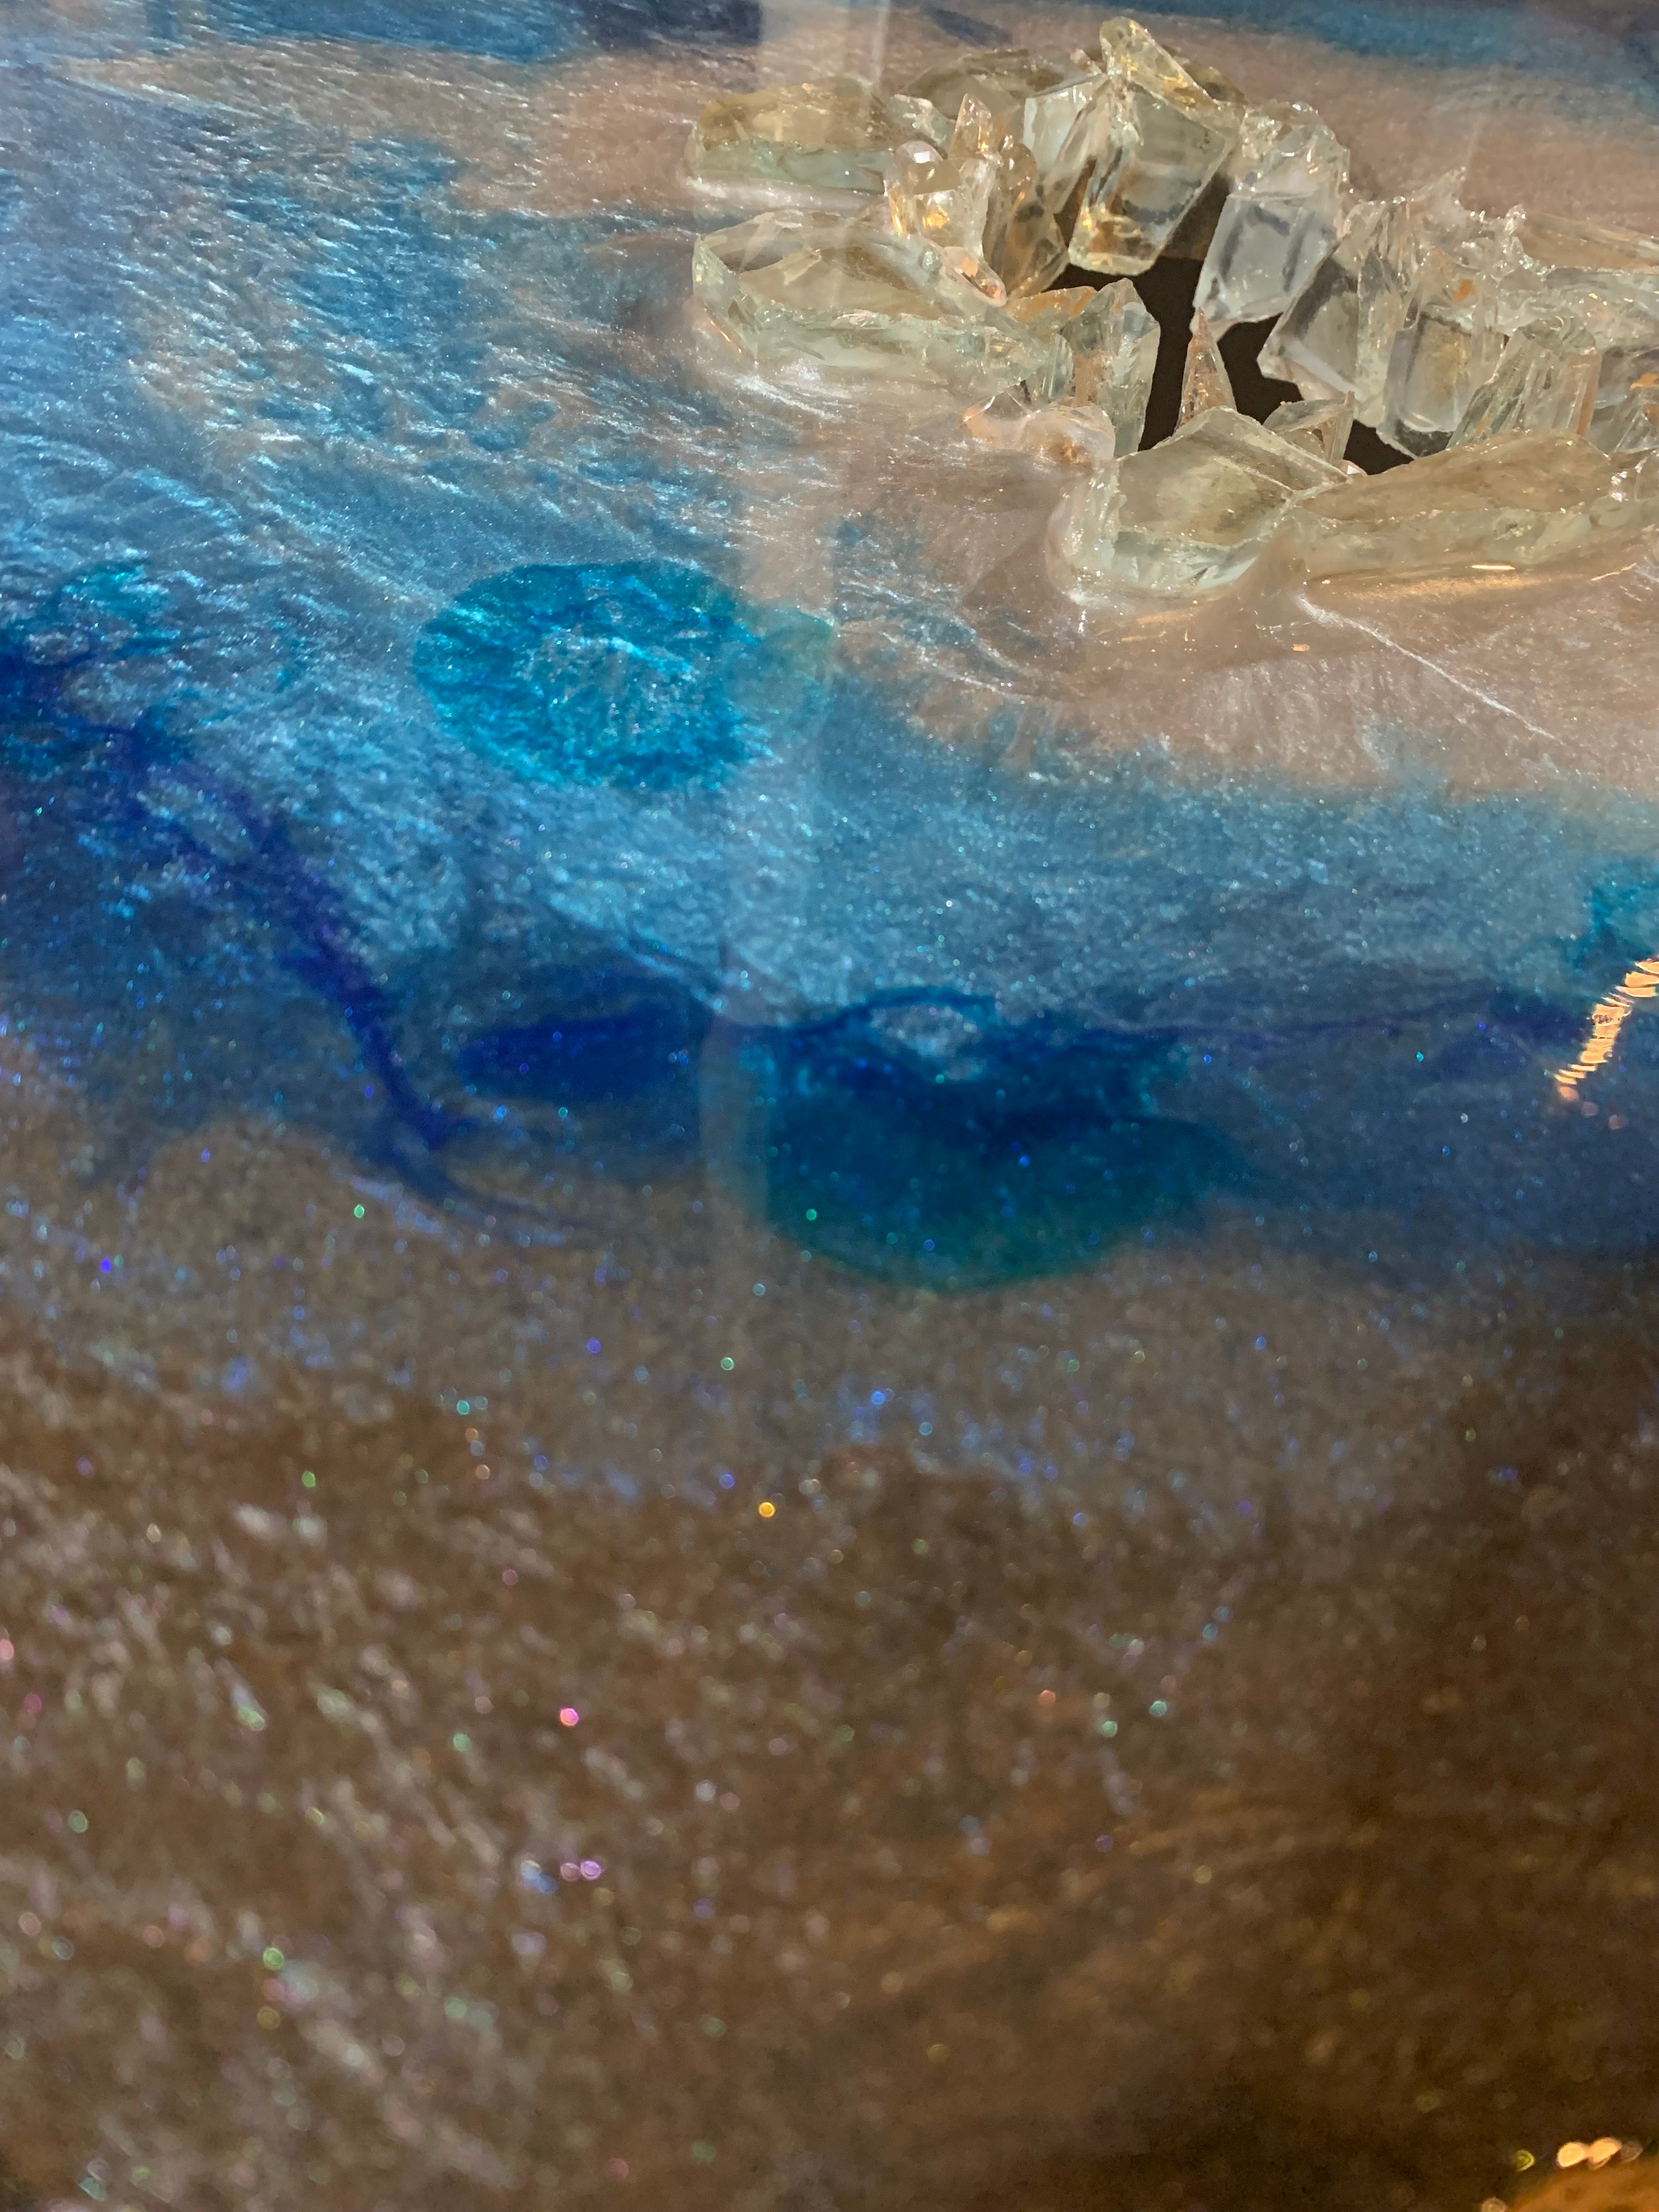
{"points": [[1482, 509], [1061, 116], [1449, 345], [1187, 516], [1023, 241], [940, 198], [1114, 342], [1316, 342], [833, 134], [1205, 382], [847, 295], [1338, 334], [1191, 238], [1626, 415], [1169, 138], [1322, 426], [1608, 279], [1546, 380], [1280, 221], [1065, 434], [1002, 76]]}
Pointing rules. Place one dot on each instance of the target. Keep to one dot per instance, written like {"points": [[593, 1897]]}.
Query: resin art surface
{"points": [[830, 1074]]}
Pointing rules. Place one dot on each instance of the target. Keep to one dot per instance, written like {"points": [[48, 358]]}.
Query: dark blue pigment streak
{"points": [[917, 1136]]}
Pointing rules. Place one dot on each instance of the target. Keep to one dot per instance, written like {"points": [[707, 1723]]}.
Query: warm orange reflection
{"points": [[1607, 1018]]}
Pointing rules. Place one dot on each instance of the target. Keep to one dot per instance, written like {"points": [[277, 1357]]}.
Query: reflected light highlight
{"points": [[1607, 1018]]}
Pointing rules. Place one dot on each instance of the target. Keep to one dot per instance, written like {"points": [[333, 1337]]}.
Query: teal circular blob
{"points": [[646, 676]]}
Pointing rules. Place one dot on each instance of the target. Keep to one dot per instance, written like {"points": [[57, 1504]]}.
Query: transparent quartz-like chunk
{"points": [[1002, 76], [1338, 335], [1321, 425], [1546, 380], [1608, 279], [1187, 516], [941, 198], [1205, 382], [1447, 348], [848, 296], [834, 134], [1625, 419], [1060, 115], [1278, 222], [1023, 241], [1507, 503], [1065, 434], [1114, 342], [1169, 138]]}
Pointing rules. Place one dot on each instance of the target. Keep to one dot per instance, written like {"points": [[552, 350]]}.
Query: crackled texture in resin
{"points": [[808, 1359]]}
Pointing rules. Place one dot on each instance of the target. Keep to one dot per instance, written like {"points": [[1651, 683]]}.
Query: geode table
{"points": [[829, 1381]]}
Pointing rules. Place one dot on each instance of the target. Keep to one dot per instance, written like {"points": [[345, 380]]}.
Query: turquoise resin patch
{"points": [[648, 676]]}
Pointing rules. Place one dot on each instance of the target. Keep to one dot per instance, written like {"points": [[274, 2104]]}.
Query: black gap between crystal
{"points": [[1167, 290]]}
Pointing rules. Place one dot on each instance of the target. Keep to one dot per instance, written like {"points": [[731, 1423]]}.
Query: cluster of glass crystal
{"points": [[1516, 360]]}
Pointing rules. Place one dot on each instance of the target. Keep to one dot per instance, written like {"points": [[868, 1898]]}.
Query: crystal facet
{"points": [[940, 198], [1626, 417], [1169, 137], [1187, 516], [833, 134], [1068, 434], [1338, 334], [1448, 346], [849, 296], [1505, 503], [1205, 382], [1023, 241], [1002, 76], [1061, 116], [1114, 342], [1278, 224], [1546, 380], [1320, 425]]}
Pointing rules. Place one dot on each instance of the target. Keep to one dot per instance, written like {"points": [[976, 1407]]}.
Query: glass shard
{"points": [[1321, 425], [1169, 138], [1447, 348], [1001, 77], [1191, 238], [1023, 241], [1114, 342], [1546, 380], [833, 135], [1065, 434], [1338, 334], [1188, 516], [841, 293], [1608, 279], [1483, 509], [1626, 416], [940, 198], [1205, 382], [1060, 115], [1278, 222]]}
